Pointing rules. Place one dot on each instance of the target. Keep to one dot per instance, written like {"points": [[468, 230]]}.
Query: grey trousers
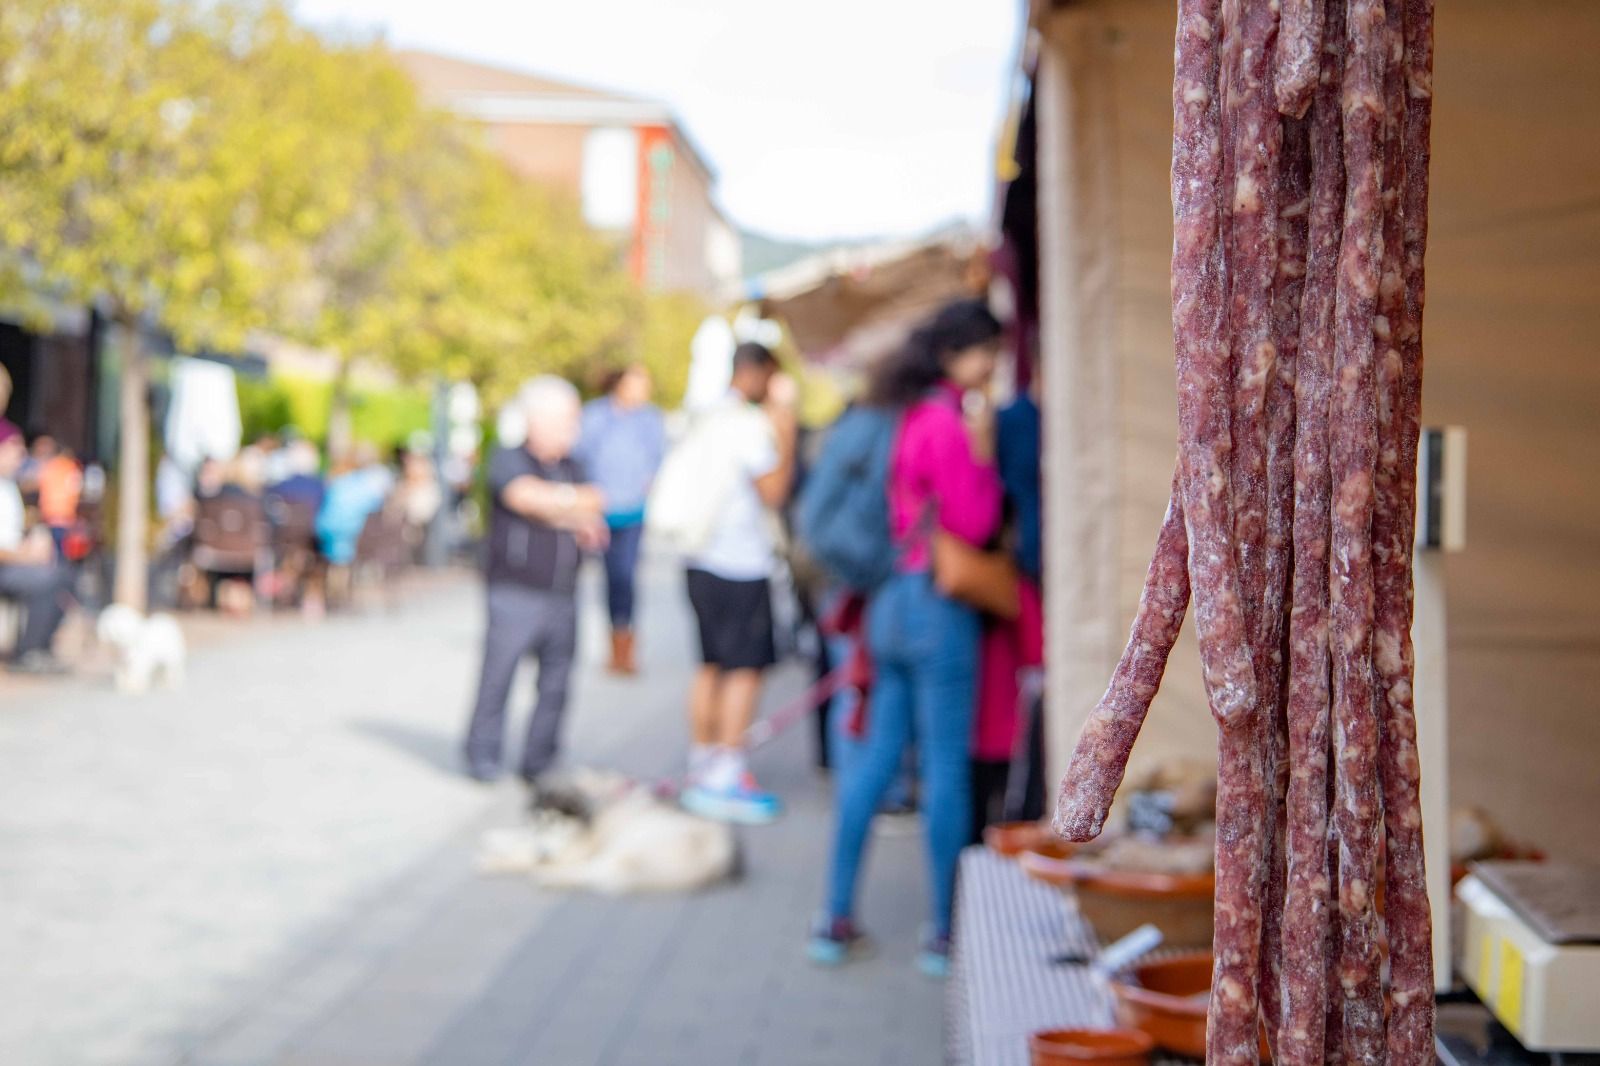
{"points": [[43, 591], [523, 622]]}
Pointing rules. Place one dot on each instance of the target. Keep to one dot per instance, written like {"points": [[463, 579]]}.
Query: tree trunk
{"points": [[339, 428], [436, 548], [133, 469]]}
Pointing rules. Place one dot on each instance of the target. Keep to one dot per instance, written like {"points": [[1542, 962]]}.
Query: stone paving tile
{"points": [[274, 868], [712, 978]]}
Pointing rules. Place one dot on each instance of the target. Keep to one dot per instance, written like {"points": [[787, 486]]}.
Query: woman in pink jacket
{"points": [[924, 645]]}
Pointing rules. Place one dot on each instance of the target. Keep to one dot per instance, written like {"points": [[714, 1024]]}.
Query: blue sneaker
{"points": [[744, 804], [934, 958], [835, 941]]}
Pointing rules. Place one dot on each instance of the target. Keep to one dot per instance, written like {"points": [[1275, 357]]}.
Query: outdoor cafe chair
{"points": [[231, 539]]}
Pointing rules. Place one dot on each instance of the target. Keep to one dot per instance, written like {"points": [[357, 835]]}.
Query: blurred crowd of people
{"points": [[38, 512], [945, 646], [49, 519], [907, 536], [272, 525], [909, 533]]}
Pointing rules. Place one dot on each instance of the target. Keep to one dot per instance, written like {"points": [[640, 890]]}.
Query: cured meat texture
{"points": [[1299, 194], [1305, 929]]}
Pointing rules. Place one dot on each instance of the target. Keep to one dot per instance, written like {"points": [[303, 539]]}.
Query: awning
{"points": [[847, 308]]}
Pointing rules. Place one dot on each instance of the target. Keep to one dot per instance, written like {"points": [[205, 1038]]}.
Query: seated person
{"points": [[228, 550], [29, 571], [417, 495], [243, 476], [41, 451], [209, 478], [293, 501], [353, 494], [304, 481], [60, 490]]}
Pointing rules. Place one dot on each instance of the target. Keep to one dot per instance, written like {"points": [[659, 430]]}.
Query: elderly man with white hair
{"points": [[545, 516]]}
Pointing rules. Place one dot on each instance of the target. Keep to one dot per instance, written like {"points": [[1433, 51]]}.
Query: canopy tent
{"points": [[1513, 264], [846, 308]]}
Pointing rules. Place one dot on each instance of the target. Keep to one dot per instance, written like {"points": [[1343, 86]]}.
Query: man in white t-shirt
{"points": [[729, 577], [29, 573]]}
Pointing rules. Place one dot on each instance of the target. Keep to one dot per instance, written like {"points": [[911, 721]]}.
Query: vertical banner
{"points": [[648, 259]]}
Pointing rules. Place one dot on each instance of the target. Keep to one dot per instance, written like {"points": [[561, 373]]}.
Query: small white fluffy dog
{"points": [[146, 648], [597, 831]]}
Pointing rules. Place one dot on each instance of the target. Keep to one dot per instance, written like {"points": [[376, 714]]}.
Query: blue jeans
{"points": [[622, 561], [844, 750], [925, 653]]}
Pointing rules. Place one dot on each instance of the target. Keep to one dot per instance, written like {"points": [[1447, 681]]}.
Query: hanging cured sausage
{"points": [[1300, 198]]}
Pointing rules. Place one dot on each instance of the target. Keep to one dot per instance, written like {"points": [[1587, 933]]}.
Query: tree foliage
{"points": [[127, 169], [503, 279], [667, 325], [211, 167], [217, 168], [384, 416]]}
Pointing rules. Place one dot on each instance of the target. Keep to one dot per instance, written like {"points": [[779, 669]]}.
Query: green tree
{"points": [[209, 167], [449, 266], [504, 279], [661, 327], [152, 160], [667, 328], [351, 297]]}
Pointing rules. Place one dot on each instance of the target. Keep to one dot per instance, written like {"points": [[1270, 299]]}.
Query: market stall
{"points": [[1506, 626], [1513, 261], [847, 307]]}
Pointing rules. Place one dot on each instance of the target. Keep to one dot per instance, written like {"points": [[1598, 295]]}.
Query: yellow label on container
{"points": [[1508, 996], [1486, 985]]}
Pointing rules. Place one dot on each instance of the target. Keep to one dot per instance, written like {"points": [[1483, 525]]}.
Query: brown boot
{"points": [[622, 662]]}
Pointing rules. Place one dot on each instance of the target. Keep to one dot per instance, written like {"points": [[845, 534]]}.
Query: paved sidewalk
{"points": [[275, 866]]}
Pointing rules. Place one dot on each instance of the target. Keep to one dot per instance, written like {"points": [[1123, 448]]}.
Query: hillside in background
{"points": [[763, 253]]}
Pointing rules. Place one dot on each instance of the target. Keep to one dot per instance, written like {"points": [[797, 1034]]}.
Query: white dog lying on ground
{"points": [[598, 831], [146, 648]]}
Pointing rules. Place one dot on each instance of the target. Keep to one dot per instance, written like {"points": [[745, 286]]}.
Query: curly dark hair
{"points": [[904, 376]]}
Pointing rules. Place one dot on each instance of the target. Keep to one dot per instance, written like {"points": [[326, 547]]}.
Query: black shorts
{"points": [[735, 620]]}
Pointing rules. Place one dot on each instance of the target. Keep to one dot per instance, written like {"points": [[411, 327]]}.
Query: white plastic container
{"points": [[1547, 995]]}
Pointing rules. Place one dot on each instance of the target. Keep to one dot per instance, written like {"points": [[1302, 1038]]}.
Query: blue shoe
{"points": [[835, 941], [744, 804], [934, 958]]}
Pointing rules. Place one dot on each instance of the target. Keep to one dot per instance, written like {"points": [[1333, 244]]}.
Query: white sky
{"points": [[823, 118]]}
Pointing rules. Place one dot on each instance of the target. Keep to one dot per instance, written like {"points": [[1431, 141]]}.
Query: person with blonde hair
{"points": [[544, 516]]}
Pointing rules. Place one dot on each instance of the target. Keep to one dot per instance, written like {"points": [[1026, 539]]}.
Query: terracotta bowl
{"points": [[1052, 851], [1105, 1047], [1167, 1000], [1116, 902], [1013, 838]]}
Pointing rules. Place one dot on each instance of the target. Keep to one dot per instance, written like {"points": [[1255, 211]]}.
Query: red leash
{"points": [[774, 725], [763, 731]]}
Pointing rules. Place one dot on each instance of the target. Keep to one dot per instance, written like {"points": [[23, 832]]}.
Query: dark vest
{"points": [[523, 551]]}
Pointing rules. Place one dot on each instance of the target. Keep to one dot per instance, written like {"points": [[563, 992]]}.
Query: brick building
{"points": [[627, 161]]}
